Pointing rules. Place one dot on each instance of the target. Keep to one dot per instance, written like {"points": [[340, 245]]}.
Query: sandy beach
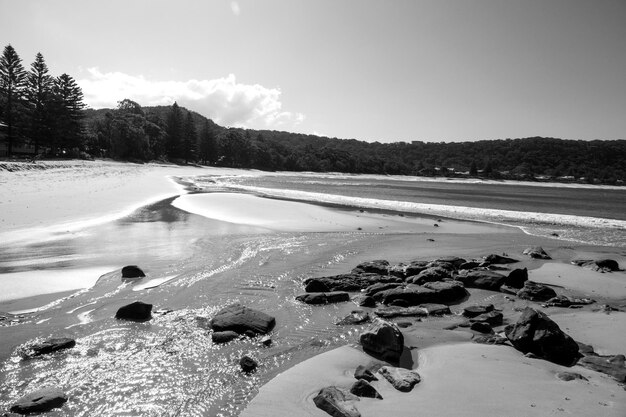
{"points": [[69, 229]]}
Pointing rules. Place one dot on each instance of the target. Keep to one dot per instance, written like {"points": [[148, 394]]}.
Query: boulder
{"points": [[431, 292], [435, 309], [399, 303], [535, 333], [498, 259], [238, 318], [493, 318], [517, 278], [363, 300], [381, 286], [363, 372], [362, 388], [600, 265], [446, 292], [481, 327], [355, 317], [248, 364], [224, 337], [348, 282], [137, 311], [469, 265], [402, 379], [40, 401], [491, 339], [415, 267], [433, 273], [324, 297], [536, 292], [398, 270], [336, 402], [536, 252], [477, 310], [380, 267], [455, 261], [132, 271], [384, 340], [487, 280], [609, 365], [316, 285], [395, 311], [52, 345]]}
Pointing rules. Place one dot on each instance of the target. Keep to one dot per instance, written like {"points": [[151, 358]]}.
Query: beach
{"points": [[210, 237]]}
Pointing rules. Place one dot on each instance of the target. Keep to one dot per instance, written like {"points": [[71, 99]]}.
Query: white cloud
{"points": [[234, 6], [224, 100]]}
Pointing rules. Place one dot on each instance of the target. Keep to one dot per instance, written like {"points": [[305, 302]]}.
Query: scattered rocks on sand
{"points": [[355, 317], [477, 310], [499, 259], [516, 278], [40, 401], [536, 292], [600, 265], [534, 332], [132, 271], [487, 280], [402, 379], [384, 340], [52, 345], [336, 402], [363, 372], [137, 311], [248, 364], [240, 319], [536, 252], [362, 388], [610, 365], [324, 297], [224, 337]]}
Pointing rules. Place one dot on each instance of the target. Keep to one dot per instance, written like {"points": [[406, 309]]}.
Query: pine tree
{"points": [[39, 93], [473, 171], [190, 139], [12, 83], [208, 144], [68, 111], [175, 132]]}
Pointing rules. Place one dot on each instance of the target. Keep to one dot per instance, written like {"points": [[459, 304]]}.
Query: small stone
{"points": [[481, 327], [40, 401], [132, 271], [362, 388], [137, 311], [266, 341], [224, 337], [402, 379], [336, 402], [363, 372], [248, 364], [570, 376]]}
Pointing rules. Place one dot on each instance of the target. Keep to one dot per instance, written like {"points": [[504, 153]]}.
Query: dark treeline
{"points": [[45, 115]]}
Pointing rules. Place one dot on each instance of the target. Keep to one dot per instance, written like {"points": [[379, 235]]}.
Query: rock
{"points": [[516, 278], [565, 301], [600, 265], [487, 280], [266, 341], [40, 401], [469, 265], [362, 388], [609, 365], [316, 285], [435, 309], [384, 340], [137, 311], [492, 339], [570, 376], [52, 345], [446, 292], [224, 337], [481, 327], [431, 292], [381, 286], [355, 317], [394, 311], [534, 332], [435, 273], [477, 310], [363, 300], [349, 282], [493, 318], [363, 372], [399, 303], [324, 297], [398, 270], [455, 261], [248, 364], [239, 319], [380, 267], [402, 379], [536, 292], [497, 259], [415, 267], [336, 402], [250, 333], [536, 252], [508, 290], [132, 271]]}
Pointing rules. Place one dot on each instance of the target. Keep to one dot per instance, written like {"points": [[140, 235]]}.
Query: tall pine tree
{"points": [[39, 94], [208, 144], [190, 140], [175, 132], [68, 112], [12, 83]]}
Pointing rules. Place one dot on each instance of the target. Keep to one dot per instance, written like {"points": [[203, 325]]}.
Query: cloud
{"points": [[224, 100], [234, 6]]}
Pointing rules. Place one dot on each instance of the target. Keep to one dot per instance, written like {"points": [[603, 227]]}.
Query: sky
{"points": [[374, 70]]}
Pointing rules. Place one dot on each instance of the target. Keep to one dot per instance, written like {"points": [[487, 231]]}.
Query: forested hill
{"points": [[535, 158]]}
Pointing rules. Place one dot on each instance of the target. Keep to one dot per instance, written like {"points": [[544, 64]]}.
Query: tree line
{"points": [[37, 108]]}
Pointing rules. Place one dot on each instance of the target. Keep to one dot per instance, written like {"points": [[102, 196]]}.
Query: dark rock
{"points": [[398, 270], [132, 271], [446, 292], [536, 252], [600, 265], [384, 340], [324, 297], [393, 311], [487, 280], [336, 402], [469, 265], [536, 292], [363, 372], [362, 388], [570, 376], [363, 300], [498, 259], [250, 333], [609, 365], [565, 301], [137, 311], [381, 286], [355, 317], [248, 364], [40, 401], [415, 267], [352, 281], [493, 318], [431, 292], [431, 274], [224, 337], [534, 332], [52, 345], [477, 310], [455, 261], [316, 285], [380, 267], [402, 379], [492, 339], [399, 303], [266, 341], [481, 327], [435, 309], [508, 290], [239, 319], [585, 349], [517, 278]]}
